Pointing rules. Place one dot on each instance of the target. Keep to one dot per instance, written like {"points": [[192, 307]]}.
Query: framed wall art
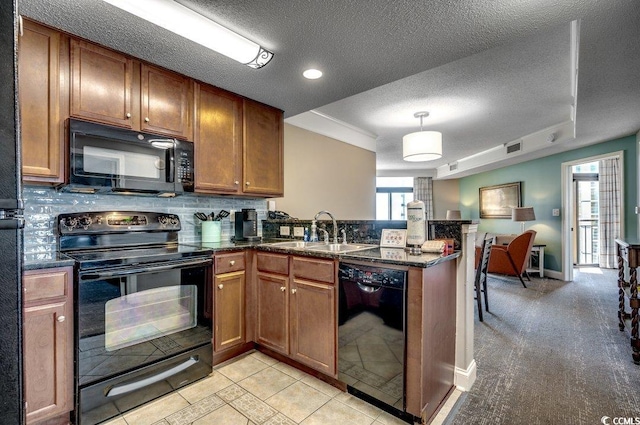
{"points": [[497, 201]]}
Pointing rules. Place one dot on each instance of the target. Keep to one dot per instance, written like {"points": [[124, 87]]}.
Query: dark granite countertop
{"points": [[48, 261], [376, 255]]}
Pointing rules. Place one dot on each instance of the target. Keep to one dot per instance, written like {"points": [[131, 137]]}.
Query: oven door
{"points": [[142, 331], [105, 157]]}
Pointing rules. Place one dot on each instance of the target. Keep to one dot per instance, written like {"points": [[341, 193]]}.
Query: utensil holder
{"points": [[211, 231]]}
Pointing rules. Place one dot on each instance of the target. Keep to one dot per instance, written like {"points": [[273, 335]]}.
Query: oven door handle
{"points": [[92, 275]]}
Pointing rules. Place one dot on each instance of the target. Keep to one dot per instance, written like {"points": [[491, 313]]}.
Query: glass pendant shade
{"points": [[422, 146]]}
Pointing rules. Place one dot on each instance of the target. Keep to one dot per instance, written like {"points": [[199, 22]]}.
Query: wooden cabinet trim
{"points": [[225, 263], [314, 269], [229, 310], [274, 263]]}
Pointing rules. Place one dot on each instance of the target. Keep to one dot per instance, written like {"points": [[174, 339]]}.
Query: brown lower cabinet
{"points": [[297, 308], [229, 313], [48, 343]]}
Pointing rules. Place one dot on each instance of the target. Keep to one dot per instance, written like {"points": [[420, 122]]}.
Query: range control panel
{"points": [[372, 276], [116, 222]]}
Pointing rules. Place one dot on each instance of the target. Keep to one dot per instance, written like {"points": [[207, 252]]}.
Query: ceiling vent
{"points": [[514, 148], [453, 167]]}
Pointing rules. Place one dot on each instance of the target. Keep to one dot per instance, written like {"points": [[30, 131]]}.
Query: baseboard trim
{"points": [[464, 378]]}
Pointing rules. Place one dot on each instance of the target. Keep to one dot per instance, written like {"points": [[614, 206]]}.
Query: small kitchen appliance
{"points": [[247, 225]]}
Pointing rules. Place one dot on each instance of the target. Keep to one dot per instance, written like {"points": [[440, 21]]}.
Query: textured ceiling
{"points": [[488, 72]]}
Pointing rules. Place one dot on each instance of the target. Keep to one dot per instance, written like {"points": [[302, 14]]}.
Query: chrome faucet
{"points": [[314, 226]]}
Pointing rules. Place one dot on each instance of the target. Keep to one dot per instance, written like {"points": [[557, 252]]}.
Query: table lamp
{"points": [[523, 214], [453, 215]]}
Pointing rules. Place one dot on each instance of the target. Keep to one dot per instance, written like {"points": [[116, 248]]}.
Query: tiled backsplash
{"points": [[43, 204]]}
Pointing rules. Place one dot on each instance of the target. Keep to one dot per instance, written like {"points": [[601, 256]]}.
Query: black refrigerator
{"points": [[11, 223]]}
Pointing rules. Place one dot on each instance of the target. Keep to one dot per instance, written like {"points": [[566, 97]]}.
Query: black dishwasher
{"points": [[371, 335]]}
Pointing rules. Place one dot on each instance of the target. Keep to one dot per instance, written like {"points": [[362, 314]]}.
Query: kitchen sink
{"points": [[294, 244], [335, 248], [340, 248]]}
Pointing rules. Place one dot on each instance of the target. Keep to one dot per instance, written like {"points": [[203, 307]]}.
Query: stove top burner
{"points": [[103, 258], [105, 239]]}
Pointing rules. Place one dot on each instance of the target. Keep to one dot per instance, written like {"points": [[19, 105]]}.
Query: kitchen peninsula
{"points": [[244, 319]]}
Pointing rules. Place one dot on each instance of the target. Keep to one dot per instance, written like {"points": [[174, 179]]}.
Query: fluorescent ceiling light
{"points": [[189, 24]]}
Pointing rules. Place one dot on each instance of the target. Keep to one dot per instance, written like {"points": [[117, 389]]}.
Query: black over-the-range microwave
{"points": [[109, 159]]}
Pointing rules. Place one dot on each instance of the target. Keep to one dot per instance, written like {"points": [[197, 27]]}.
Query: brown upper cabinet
{"points": [[111, 88], [238, 143], [43, 64], [263, 156], [217, 140]]}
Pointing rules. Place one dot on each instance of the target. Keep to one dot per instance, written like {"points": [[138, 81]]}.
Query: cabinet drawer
{"points": [[43, 285], [275, 263], [225, 263], [314, 269]]}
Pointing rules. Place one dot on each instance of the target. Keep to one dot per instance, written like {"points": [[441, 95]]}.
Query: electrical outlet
{"points": [[285, 231], [298, 231], [555, 212]]}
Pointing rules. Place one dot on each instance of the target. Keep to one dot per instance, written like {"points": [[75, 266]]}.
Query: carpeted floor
{"points": [[552, 354]]}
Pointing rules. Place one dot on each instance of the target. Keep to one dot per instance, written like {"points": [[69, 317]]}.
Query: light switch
{"points": [[285, 231], [555, 212]]}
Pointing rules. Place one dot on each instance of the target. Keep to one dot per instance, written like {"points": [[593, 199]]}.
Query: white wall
{"points": [[321, 173]]}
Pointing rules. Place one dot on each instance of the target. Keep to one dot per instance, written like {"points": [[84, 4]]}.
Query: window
{"points": [[392, 196]]}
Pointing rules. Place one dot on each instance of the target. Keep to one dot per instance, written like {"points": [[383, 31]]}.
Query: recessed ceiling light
{"points": [[312, 74]]}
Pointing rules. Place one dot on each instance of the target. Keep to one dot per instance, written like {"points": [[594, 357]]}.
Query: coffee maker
{"points": [[247, 225]]}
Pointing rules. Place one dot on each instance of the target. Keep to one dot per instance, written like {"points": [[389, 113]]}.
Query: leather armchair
{"points": [[513, 258]]}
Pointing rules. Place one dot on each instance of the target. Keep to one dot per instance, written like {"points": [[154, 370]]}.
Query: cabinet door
{"points": [[43, 67], [229, 312], [273, 320], [218, 140], [263, 169], [166, 102], [48, 344], [313, 325], [101, 85]]}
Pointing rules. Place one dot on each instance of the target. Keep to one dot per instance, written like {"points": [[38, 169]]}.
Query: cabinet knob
{"points": [[237, 182], [232, 262], [283, 288], [247, 183], [220, 286], [128, 114], [294, 290], [61, 319], [146, 119]]}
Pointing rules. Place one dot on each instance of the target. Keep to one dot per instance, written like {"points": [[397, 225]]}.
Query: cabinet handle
{"points": [[20, 26], [128, 114], [283, 288], [220, 286], [232, 262], [61, 319], [146, 119], [293, 291]]}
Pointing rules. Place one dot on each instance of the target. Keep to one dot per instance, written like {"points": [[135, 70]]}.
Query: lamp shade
{"points": [[422, 146], [523, 214], [453, 215]]}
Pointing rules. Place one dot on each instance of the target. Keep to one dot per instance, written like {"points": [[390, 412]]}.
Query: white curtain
{"points": [[609, 211], [423, 191]]}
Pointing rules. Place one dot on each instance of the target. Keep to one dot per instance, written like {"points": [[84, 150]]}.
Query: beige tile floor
{"points": [[256, 389]]}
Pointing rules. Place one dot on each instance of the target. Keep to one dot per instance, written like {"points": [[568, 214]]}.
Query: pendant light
{"points": [[422, 145]]}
